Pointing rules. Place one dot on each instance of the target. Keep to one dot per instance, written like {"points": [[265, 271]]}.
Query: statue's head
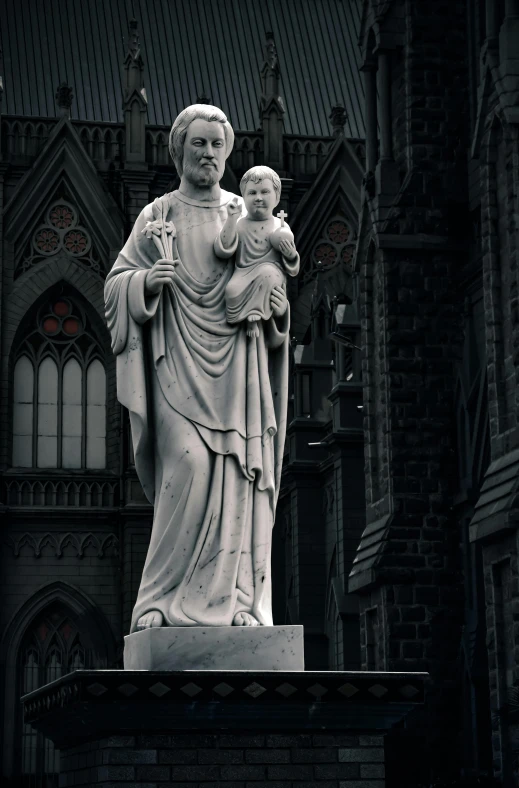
{"points": [[200, 141]]}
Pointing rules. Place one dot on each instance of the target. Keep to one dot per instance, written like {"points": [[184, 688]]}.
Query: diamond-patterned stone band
{"points": [[234, 687]]}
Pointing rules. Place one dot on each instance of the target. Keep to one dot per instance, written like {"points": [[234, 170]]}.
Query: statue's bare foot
{"points": [[253, 330], [245, 620], [149, 620]]}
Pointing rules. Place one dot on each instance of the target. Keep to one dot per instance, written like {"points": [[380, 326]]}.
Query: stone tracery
{"points": [[59, 231]]}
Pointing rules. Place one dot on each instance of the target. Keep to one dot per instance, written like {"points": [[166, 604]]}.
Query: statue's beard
{"points": [[200, 175]]}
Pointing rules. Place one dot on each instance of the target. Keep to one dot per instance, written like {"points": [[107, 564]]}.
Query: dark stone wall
{"points": [[228, 759]]}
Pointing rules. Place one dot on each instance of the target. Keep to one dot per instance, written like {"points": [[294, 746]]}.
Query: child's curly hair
{"points": [[257, 174]]}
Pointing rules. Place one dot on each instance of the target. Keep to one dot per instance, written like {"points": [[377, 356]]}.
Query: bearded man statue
{"points": [[207, 404]]}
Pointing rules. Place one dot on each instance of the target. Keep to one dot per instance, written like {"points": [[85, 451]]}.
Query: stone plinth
{"points": [[232, 727], [215, 648]]}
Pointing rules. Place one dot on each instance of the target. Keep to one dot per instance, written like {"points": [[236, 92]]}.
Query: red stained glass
{"points": [[75, 242], [347, 254], [338, 232], [43, 631], [61, 309], [47, 240], [66, 630], [326, 254], [61, 216], [50, 325], [71, 326]]}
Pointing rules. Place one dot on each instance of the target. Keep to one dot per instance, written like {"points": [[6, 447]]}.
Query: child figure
{"points": [[265, 249]]}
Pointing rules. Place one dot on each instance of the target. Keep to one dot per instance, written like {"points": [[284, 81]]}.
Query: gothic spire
{"points": [[134, 63], [271, 107], [135, 103]]}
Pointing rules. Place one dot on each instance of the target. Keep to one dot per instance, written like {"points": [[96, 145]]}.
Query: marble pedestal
{"points": [[215, 648]]}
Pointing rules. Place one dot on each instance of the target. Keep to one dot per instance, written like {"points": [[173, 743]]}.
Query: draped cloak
{"points": [[208, 417]]}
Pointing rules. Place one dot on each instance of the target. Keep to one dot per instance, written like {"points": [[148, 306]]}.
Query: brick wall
{"points": [[412, 333], [230, 760]]}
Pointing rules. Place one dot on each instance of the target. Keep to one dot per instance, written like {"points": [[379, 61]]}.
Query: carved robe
{"points": [[259, 269], [208, 416]]}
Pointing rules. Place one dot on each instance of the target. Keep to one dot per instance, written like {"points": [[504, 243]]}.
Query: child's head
{"points": [[261, 191]]}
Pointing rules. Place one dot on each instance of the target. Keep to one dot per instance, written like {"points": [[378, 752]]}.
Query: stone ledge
{"points": [[76, 706]]}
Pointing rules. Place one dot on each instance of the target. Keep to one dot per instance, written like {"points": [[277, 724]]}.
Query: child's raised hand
{"points": [[288, 249], [234, 208]]}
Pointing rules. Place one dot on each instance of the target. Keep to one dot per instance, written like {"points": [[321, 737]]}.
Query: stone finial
{"points": [[338, 118], [203, 99], [64, 97], [271, 54], [134, 63], [270, 70], [134, 46]]}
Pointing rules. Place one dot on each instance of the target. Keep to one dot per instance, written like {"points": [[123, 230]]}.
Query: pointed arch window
{"points": [[52, 648], [59, 392]]}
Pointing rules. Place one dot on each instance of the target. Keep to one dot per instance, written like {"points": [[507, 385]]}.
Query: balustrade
{"points": [[106, 142]]}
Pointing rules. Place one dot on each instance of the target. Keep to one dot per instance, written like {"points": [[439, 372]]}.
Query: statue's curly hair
{"points": [[178, 131]]}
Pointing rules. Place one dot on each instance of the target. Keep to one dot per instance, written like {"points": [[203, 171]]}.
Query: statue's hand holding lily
{"points": [[163, 234]]}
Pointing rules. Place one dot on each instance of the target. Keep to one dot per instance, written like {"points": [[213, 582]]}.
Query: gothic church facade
{"points": [[395, 540]]}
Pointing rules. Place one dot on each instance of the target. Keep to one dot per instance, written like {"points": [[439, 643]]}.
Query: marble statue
{"points": [[264, 247], [207, 403]]}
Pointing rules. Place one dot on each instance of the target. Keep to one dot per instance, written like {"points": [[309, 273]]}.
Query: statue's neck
{"points": [[196, 192]]}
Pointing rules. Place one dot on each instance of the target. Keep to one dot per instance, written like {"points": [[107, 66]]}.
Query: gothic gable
{"points": [[324, 226], [63, 171], [61, 230]]}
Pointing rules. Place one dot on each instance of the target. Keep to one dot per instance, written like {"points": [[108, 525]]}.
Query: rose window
{"points": [[61, 216], [326, 254], [335, 247], [75, 242], [338, 232], [61, 320], [71, 326], [50, 325], [347, 254], [47, 241], [61, 232]]}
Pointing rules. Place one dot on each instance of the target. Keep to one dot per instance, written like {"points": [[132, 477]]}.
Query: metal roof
{"points": [[190, 47]]}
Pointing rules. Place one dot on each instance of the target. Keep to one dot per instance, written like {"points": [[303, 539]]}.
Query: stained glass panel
{"points": [[72, 425], [96, 416], [23, 405], [47, 452]]}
